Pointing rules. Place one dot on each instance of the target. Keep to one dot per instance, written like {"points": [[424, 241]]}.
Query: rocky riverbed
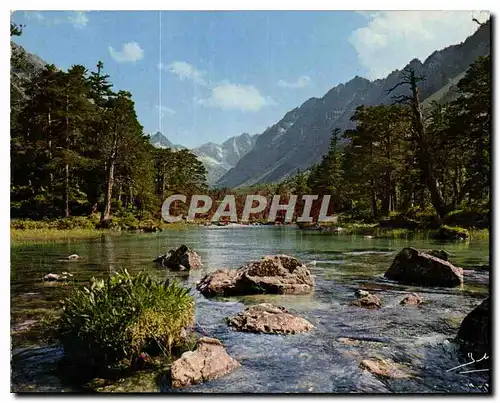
{"points": [[348, 349]]}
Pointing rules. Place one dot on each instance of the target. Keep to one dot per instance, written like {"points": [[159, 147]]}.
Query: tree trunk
{"points": [[66, 191], [425, 157], [374, 199], [106, 215], [51, 175], [455, 187], [66, 167]]}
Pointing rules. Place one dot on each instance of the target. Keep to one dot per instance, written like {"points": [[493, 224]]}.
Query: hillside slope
{"points": [[301, 137]]}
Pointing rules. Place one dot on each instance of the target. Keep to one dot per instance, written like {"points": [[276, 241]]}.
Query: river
{"points": [[317, 362]]}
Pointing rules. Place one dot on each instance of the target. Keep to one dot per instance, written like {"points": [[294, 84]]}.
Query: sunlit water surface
{"points": [[315, 362]]}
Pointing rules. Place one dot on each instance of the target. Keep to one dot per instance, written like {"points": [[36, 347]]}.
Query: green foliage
{"points": [[390, 163], [16, 29], [119, 318], [77, 148], [326, 177], [61, 223], [124, 220]]}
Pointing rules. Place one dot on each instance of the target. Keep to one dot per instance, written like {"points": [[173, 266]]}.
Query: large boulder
{"points": [[413, 267], [180, 259], [474, 332], [278, 274], [267, 318], [209, 361]]}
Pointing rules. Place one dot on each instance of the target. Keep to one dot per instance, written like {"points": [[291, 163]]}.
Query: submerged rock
{"points": [[55, 277], [386, 368], [209, 361], [450, 233], [411, 299], [413, 267], [278, 274], [369, 301], [356, 341], [267, 318], [474, 332], [180, 259]]}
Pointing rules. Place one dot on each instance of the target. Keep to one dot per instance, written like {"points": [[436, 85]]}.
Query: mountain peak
{"points": [[159, 140]]}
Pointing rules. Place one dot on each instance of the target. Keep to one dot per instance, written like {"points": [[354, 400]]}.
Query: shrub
{"points": [[124, 220], [469, 218], [115, 320], [27, 224], [74, 223]]}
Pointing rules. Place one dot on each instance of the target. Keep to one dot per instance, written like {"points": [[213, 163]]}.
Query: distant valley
{"points": [[217, 158]]}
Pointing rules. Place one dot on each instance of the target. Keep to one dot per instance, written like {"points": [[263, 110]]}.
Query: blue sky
{"points": [[220, 74]]}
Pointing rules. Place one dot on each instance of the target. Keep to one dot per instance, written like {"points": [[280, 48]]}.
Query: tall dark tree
{"points": [[410, 78]]}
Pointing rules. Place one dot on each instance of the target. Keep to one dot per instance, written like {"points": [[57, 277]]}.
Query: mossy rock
{"points": [[451, 233]]}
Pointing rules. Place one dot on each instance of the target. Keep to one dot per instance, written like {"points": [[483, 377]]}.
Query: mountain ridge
{"points": [[300, 138], [217, 158]]}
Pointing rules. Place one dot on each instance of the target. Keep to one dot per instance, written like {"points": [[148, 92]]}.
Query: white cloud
{"points": [[301, 82], [78, 19], [185, 71], [165, 110], [131, 52], [34, 15], [391, 39], [236, 96], [223, 95]]}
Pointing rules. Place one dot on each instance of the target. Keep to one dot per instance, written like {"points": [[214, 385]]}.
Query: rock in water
{"points": [[450, 233], [55, 277], [413, 267], [267, 318], [278, 274], [411, 299], [209, 361], [361, 293], [180, 259], [474, 332], [386, 368], [369, 301]]}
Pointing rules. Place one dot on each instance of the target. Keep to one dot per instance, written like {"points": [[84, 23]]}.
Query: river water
{"points": [[322, 361]]}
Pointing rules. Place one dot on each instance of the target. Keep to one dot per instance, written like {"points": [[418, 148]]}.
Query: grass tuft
{"points": [[116, 320]]}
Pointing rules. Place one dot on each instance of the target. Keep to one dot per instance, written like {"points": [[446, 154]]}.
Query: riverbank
{"points": [[376, 231], [77, 228], [43, 231]]}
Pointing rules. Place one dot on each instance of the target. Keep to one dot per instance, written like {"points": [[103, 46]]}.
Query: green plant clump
{"points": [[114, 321]]}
